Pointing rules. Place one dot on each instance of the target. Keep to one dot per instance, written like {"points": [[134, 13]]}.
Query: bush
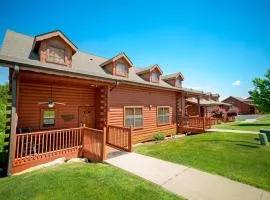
{"points": [[159, 136], [232, 112], [218, 113]]}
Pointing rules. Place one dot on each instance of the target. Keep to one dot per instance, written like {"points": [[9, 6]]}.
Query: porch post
{"points": [[13, 120], [199, 107]]}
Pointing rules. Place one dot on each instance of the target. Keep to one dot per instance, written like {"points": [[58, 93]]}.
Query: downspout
{"points": [[14, 118]]}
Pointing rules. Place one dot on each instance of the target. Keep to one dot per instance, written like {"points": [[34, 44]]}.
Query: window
{"points": [[178, 83], [56, 55], [163, 115], [48, 118], [134, 117], [121, 69], [155, 77]]}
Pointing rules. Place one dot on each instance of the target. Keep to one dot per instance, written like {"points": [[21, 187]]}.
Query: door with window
{"points": [[87, 116]]}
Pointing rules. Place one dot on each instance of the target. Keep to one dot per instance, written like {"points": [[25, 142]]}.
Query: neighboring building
{"points": [[58, 90], [244, 106], [205, 105]]}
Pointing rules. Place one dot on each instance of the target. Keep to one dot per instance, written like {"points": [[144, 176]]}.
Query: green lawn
{"points": [[262, 122], [80, 181], [236, 156]]}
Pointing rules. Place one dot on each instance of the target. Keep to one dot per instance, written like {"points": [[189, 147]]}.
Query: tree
{"points": [[3, 104], [261, 93]]}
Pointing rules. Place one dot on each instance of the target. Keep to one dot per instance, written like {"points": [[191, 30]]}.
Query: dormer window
{"points": [[121, 70], [178, 83], [54, 47], [118, 65], [56, 55], [155, 77]]}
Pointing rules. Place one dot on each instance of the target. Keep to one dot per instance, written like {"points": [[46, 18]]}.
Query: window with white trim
{"points": [[121, 69], [134, 117], [178, 83], [163, 115], [56, 55], [155, 77]]}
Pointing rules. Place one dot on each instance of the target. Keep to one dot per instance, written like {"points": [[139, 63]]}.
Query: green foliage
{"points": [[159, 136], [3, 112], [261, 93], [261, 122], [236, 156], [3, 104]]}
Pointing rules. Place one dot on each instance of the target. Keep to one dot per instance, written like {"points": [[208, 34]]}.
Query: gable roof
{"points": [[149, 69], [117, 57], [17, 49], [205, 102], [48, 35], [246, 101], [173, 76]]}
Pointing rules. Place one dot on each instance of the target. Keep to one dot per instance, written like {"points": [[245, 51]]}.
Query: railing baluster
{"points": [[18, 146]]}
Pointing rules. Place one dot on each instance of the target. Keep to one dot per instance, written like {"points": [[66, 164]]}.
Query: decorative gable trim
{"points": [[150, 69], [117, 57], [173, 76], [52, 34]]}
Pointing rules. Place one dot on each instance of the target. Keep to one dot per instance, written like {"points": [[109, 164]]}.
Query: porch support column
{"points": [[14, 119], [199, 107]]}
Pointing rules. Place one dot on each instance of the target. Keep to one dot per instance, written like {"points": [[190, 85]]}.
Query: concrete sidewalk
{"points": [[185, 181], [230, 131]]}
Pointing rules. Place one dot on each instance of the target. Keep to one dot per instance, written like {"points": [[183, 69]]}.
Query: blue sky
{"points": [[213, 43]]}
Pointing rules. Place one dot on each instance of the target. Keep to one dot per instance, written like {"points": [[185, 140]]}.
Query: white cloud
{"points": [[236, 83]]}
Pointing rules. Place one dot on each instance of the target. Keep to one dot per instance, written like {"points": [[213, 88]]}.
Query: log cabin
{"points": [[64, 102]]}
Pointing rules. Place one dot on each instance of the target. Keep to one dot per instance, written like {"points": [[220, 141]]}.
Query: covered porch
{"points": [[199, 120], [55, 116]]}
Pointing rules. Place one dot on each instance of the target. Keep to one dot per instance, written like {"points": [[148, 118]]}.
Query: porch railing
{"points": [[119, 137], [94, 144], [40, 147], [42, 143], [198, 122]]}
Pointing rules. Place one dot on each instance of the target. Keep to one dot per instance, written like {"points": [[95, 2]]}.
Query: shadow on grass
{"points": [[247, 124], [233, 141], [247, 145]]}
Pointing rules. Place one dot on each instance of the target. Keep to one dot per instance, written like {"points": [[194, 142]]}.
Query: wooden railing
{"points": [[94, 144], [46, 145], [40, 147], [213, 121], [119, 137], [199, 122]]}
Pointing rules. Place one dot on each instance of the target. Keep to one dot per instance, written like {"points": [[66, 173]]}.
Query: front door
{"points": [[87, 116]]}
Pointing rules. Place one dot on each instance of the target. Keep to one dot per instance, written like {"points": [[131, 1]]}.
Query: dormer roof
{"points": [[173, 76], [117, 57], [149, 69], [48, 35]]}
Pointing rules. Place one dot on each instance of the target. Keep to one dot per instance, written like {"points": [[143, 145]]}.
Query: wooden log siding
{"points": [[72, 96], [119, 137], [148, 98], [40, 147], [94, 144]]}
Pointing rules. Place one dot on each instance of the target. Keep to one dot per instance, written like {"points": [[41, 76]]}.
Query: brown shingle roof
{"points": [[17, 49]]}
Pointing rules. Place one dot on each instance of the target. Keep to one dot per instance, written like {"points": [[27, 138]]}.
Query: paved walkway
{"points": [[230, 131], [185, 181]]}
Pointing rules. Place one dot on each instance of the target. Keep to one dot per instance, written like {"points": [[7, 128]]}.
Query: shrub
{"points": [[159, 136], [218, 113], [232, 112]]}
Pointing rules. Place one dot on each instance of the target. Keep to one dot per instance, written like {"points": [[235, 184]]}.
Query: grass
{"points": [[80, 181], [236, 156], [262, 122]]}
